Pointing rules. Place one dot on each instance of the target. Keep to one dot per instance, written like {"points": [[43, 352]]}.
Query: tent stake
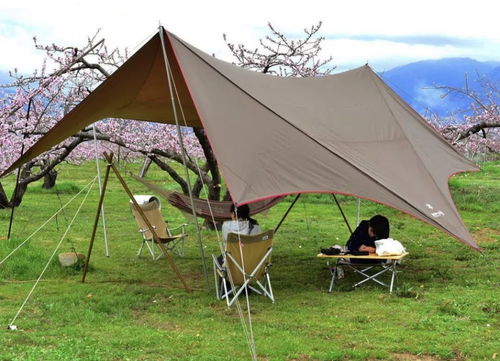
{"points": [[286, 213], [156, 238], [342, 212], [183, 154], [98, 213]]}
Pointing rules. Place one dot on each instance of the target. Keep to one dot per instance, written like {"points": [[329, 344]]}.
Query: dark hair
{"points": [[243, 212], [380, 226]]}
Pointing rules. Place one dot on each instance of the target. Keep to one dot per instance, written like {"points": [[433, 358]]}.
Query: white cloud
{"points": [[128, 23]]}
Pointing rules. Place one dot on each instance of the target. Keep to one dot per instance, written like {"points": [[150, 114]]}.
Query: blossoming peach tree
{"points": [[30, 105], [478, 131]]}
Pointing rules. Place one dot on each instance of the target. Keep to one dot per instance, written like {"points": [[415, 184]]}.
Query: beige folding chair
{"points": [[237, 274], [151, 207]]}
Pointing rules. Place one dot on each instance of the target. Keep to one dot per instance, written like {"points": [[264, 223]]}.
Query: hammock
{"points": [[221, 210]]}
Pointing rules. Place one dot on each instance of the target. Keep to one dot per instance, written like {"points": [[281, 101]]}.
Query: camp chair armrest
{"points": [[145, 230], [183, 226], [170, 239]]}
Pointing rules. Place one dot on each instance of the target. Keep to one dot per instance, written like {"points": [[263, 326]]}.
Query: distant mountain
{"points": [[416, 82], [495, 74]]}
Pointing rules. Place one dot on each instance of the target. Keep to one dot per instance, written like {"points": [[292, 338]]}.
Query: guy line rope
{"points": [[47, 221], [247, 330], [11, 325]]}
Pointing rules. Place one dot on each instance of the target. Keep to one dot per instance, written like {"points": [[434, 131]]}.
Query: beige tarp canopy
{"points": [[347, 133]]}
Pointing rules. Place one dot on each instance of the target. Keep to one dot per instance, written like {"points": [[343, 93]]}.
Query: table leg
{"points": [[393, 269], [333, 271]]}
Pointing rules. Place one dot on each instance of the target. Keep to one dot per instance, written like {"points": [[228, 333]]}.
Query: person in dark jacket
{"points": [[364, 236]]}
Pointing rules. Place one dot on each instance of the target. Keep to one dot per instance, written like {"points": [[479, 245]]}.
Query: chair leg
{"points": [[226, 293], [160, 253], [181, 247], [237, 293], [140, 249], [270, 287], [217, 283], [150, 249], [177, 246]]}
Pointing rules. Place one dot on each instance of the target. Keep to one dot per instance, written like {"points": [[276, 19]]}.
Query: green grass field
{"points": [[446, 308]]}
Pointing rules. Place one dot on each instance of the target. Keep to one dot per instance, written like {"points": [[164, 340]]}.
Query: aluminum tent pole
{"points": [[286, 213], [183, 153], [342, 212], [358, 211]]}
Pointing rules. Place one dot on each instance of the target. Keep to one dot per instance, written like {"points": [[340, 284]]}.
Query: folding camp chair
{"points": [[151, 207], [238, 274]]}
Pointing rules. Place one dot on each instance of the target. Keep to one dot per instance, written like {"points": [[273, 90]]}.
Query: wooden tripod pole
{"points": [[98, 214], [146, 221]]}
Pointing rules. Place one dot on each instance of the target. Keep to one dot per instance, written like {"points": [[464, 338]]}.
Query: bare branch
{"points": [[476, 128]]}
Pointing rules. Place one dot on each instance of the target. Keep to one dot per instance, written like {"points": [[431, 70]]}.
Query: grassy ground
{"points": [[447, 306]]}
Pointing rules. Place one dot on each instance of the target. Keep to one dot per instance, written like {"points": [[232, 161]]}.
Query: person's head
{"points": [[241, 212], [379, 227]]}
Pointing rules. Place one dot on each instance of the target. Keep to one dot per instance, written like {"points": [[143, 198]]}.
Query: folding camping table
{"points": [[369, 271]]}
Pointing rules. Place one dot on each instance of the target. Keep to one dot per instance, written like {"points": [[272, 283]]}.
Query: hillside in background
{"points": [[415, 82]]}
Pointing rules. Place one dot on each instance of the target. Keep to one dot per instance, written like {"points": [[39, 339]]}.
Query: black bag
{"points": [[332, 251]]}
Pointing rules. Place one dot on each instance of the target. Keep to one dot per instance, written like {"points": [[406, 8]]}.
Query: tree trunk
{"points": [[4, 201], [49, 180], [173, 174], [17, 197], [197, 188], [212, 165], [20, 188], [227, 196], [145, 167]]}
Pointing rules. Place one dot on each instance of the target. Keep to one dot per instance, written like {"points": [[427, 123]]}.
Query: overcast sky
{"points": [[384, 33]]}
